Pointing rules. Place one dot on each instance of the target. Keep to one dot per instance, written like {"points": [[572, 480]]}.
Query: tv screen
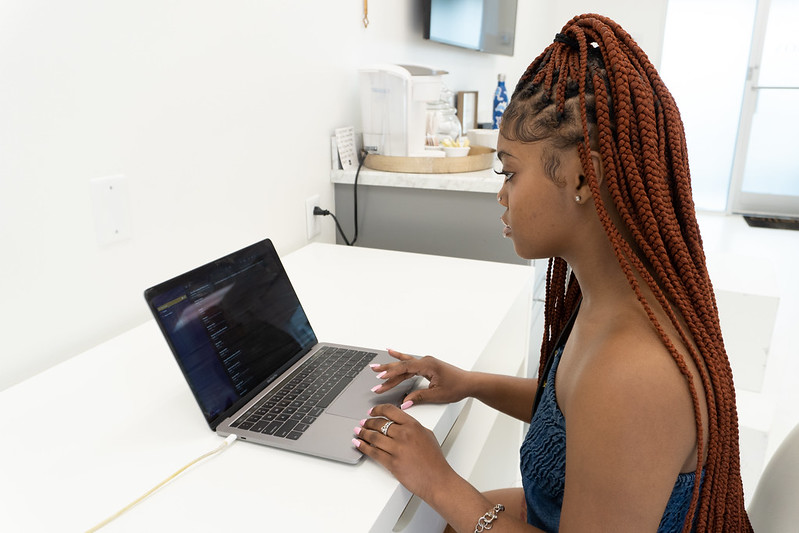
{"points": [[482, 25]]}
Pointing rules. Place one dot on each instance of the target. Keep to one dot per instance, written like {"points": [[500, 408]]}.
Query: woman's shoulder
{"points": [[621, 365], [615, 345], [628, 356]]}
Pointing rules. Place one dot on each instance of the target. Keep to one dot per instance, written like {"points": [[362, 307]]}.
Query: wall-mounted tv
{"points": [[482, 25]]}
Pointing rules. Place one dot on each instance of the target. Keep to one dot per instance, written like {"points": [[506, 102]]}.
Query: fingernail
{"points": [[356, 442], [374, 389], [381, 374], [374, 365], [369, 412], [406, 405], [357, 430], [362, 422]]}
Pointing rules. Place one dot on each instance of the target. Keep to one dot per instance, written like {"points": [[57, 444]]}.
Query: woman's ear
{"points": [[583, 190], [596, 159]]}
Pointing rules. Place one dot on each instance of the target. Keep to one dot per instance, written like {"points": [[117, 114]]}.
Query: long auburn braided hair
{"points": [[594, 88]]}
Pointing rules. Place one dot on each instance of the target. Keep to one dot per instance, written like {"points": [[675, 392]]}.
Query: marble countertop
{"points": [[480, 181]]}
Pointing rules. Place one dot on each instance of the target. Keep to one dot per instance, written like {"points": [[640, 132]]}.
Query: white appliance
{"points": [[394, 107]]}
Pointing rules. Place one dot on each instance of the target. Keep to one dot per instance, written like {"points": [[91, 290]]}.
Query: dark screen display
{"points": [[232, 324]]}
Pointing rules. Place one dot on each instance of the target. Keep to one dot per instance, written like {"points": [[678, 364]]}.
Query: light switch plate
{"points": [[111, 207]]}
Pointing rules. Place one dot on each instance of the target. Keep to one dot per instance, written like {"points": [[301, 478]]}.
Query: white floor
{"points": [[755, 273]]}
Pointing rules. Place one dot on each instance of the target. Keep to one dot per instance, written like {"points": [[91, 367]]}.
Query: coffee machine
{"points": [[394, 107]]}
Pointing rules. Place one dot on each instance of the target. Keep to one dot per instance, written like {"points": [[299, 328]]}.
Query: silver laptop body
{"points": [[239, 334]]}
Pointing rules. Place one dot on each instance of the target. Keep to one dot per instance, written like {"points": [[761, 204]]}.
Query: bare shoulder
{"points": [[627, 377], [630, 425], [628, 361], [621, 360]]}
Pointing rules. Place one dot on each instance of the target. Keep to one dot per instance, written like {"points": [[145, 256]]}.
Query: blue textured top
{"points": [[543, 466]]}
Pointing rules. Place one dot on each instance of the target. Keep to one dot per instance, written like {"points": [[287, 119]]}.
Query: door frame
{"points": [[739, 201]]}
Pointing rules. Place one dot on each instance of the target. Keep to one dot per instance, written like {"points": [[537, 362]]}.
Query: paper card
{"points": [[345, 139]]}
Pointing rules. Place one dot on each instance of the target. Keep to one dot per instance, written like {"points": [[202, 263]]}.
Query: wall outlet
{"points": [[110, 204], [313, 226]]}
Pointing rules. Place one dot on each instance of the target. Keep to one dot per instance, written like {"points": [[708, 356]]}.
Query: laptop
{"points": [[253, 362]]}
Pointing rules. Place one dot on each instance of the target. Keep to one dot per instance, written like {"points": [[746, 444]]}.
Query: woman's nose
{"points": [[502, 197]]}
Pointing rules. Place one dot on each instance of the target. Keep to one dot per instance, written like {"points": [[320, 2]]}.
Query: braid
{"points": [[595, 89]]}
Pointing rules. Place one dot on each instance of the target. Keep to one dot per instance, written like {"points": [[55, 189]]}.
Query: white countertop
{"points": [[484, 181]]}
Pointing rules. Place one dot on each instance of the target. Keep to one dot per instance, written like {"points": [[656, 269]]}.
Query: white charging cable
{"points": [[228, 441]]}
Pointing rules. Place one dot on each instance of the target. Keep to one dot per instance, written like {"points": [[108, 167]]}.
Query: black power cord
{"points": [[318, 211], [324, 212]]}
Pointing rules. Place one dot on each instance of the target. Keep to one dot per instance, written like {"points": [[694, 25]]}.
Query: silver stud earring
{"points": [[578, 198]]}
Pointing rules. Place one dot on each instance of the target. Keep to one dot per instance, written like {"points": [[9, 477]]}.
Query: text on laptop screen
{"points": [[232, 325]]}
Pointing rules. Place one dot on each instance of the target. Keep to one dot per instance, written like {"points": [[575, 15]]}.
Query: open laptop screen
{"points": [[233, 325]]}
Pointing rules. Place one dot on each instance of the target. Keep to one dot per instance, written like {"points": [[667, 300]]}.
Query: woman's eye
{"points": [[508, 175]]}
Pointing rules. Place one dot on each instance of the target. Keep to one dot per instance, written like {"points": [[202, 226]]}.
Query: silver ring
{"points": [[384, 429]]}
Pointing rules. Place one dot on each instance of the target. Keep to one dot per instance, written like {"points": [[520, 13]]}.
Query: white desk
{"points": [[60, 473]]}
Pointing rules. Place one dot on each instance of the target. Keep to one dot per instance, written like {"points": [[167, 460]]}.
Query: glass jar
{"points": [[442, 123]]}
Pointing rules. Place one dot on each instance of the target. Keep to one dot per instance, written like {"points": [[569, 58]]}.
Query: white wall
{"points": [[219, 115]]}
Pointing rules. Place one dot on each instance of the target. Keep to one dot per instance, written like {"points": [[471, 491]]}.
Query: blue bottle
{"points": [[500, 101]]}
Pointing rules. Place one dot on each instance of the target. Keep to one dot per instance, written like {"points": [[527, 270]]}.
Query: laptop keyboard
{"points": [[289, 410]]}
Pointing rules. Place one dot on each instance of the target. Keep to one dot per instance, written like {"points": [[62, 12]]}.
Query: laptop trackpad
{"points": [[358, 398]]}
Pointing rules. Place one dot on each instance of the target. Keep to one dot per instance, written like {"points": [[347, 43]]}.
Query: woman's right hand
{"points": [[448, 383]]}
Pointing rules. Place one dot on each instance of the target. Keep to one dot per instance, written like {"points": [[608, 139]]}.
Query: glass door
{"points": [[765, 176]]}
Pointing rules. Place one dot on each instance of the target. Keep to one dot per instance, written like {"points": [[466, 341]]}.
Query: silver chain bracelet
{"points": [[485, 521]]}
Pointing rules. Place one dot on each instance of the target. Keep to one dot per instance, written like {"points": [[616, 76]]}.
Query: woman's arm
{"points": [[411, 453], [511, 395], [630, 429]]}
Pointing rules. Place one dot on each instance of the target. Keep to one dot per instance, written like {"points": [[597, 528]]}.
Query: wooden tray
{"points": [[479, 158]]}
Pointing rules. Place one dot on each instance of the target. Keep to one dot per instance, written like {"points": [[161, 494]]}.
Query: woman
{"points": [[634, 426]]}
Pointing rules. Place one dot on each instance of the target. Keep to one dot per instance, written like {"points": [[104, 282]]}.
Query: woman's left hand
{"points": [[406, 449]]}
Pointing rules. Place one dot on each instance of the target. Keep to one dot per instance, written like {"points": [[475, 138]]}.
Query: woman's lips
{"points": [[506, 229]]}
